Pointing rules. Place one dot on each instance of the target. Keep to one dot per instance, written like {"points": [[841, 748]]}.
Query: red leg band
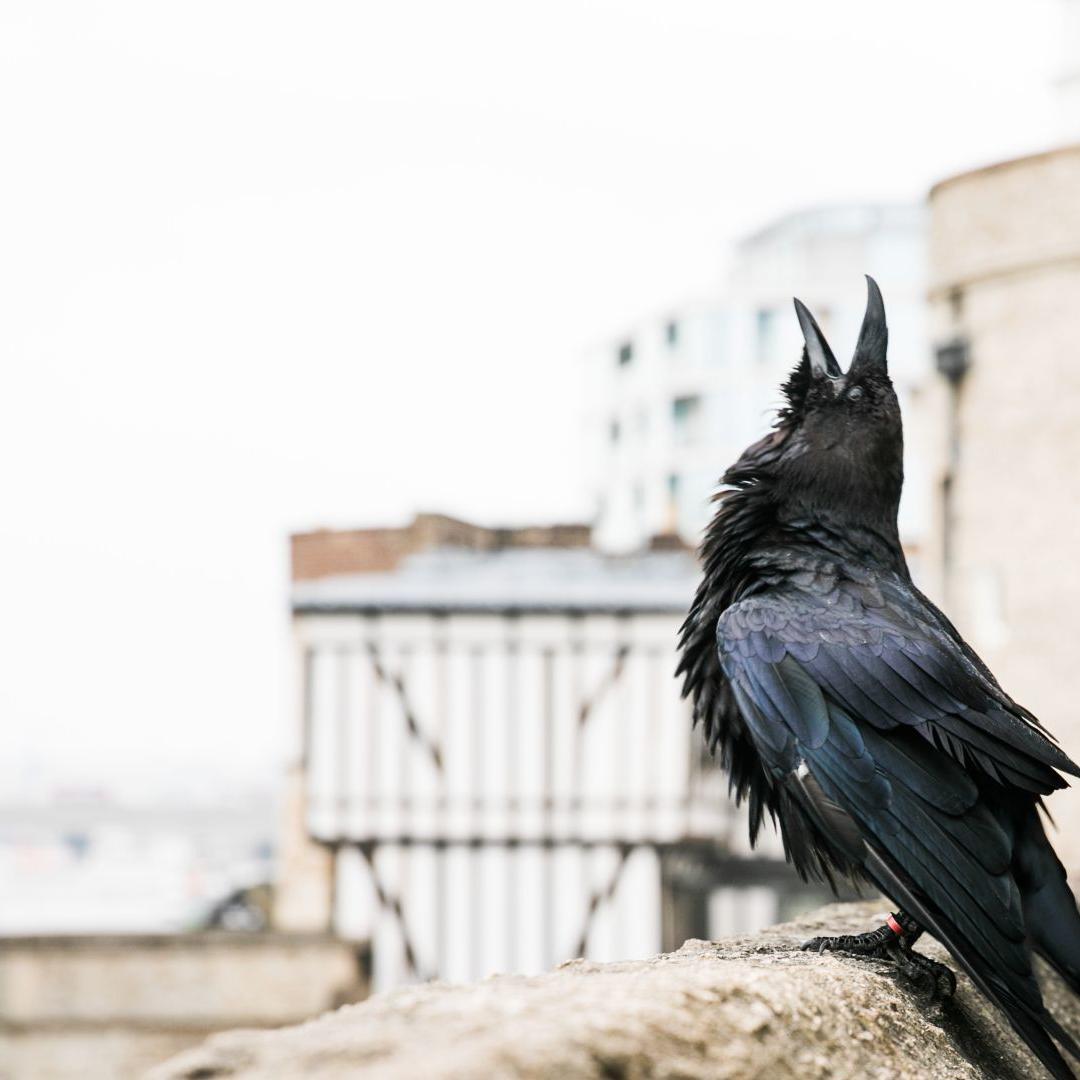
{"points": [[894, 926]]}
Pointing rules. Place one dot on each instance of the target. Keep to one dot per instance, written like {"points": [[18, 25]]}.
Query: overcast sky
{"points": [[265, 266]]}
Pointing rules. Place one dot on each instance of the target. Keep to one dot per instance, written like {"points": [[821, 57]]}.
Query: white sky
{"points": [[265, 266]]}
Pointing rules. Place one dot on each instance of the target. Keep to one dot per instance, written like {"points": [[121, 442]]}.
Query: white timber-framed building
{"points": [[500, 771]]}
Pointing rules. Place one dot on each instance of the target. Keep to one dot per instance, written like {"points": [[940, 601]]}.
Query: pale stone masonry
{"points": [[751, 1008], [108, 1007], [1005, 286]]}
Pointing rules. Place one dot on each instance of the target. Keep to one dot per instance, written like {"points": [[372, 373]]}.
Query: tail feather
{"points": [[1050, 912]]}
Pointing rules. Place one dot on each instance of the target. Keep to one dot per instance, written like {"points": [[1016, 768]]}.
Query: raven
{"points": [[849, 709]]}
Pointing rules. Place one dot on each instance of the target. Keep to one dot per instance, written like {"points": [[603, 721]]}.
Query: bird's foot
{"points": [[892, 942], [870, 945], [931, 980]]}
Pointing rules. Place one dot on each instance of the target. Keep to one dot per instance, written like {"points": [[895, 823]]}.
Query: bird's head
{"points": [[839, 440]]}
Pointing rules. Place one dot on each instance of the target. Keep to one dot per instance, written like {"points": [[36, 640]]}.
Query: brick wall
{"points": [[327, 552]]}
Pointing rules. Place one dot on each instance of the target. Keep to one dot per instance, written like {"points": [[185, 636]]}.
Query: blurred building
{"points": [[1004, 288], [673, 401], [497, 772], [655, 412]]}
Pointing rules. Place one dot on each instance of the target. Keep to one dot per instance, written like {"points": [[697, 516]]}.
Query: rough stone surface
{"points": [[744, 1007]]}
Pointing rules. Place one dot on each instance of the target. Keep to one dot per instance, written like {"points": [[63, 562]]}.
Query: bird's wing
{"points": [[881, 655], [863, 719]]}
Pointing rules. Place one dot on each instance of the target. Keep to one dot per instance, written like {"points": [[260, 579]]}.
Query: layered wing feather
{"points": [[893, 742], [878, 654]]}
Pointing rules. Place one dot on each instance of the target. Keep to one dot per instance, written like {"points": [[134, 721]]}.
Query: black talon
{"points": [[942, 982], [931, 980]]}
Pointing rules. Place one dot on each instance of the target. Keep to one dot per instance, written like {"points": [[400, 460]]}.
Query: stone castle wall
{"points": [[1005, 278], [110, 1007], [752, 1008]]}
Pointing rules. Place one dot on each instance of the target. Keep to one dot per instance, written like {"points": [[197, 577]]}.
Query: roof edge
{"points": [[1064, 150]]}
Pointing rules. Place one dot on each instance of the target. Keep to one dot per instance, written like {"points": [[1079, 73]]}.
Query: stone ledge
{"points": [[744, 1007]]}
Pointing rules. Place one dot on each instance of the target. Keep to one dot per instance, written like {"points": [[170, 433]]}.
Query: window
{"points": [[766, 331], [671, 333], [671, 523], [685, 418], [625, 353]]}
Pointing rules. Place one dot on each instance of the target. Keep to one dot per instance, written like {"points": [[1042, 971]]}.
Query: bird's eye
{"points": [[855, 393]]}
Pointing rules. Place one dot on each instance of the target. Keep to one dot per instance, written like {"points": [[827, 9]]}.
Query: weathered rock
{"points": [[745, 1007]]}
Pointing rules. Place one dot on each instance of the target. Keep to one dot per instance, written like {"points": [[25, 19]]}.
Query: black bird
{"points": [[846, 706]]}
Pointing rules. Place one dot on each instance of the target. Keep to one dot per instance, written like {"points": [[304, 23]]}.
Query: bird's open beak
{"points": [[822, 361], [873, 344], [870, 351]]}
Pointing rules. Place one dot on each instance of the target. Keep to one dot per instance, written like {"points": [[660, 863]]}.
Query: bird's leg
{"points": [[893, 942]]}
